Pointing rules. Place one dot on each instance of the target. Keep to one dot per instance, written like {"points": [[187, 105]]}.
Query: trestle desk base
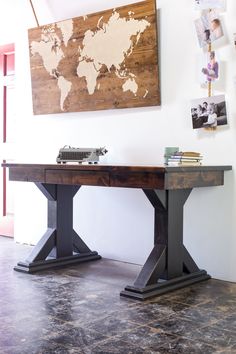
{"points": [[169, 265]]}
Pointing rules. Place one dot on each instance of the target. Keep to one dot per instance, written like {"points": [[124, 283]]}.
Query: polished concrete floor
{"points": [[79, 310]]}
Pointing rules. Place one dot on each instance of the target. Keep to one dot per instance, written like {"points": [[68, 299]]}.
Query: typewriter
{"points": [[80, 155]]}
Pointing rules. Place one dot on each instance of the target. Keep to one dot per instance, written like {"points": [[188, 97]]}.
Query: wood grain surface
{"points": [[142, 63], [145, 177]]}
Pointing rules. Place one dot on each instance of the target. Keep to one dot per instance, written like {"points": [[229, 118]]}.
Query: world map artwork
{"points": [[100, 61]]}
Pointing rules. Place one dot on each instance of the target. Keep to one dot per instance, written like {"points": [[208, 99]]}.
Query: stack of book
{"points": [[185, 158]]}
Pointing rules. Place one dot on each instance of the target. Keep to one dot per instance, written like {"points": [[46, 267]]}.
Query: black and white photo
{"points": [[208, 112]]}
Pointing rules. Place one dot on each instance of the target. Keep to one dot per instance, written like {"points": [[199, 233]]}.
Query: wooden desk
{"points": [[169, 265]]}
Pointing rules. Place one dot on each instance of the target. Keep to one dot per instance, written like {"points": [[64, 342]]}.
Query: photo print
{"points": [[210, 4], [208, 112], [209, 68], [208, 28]]}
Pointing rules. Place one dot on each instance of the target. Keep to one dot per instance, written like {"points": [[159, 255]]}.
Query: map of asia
{"points": [[100, 61]]}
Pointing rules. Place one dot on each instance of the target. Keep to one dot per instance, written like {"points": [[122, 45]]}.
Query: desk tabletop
{"points": [[101, 167], [130, 176]]}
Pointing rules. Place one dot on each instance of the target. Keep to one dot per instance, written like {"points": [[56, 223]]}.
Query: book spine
{"points": [[186, 157], [183, 160]]}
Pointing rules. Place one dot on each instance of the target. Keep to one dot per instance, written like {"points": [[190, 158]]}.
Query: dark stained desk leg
{"points": [[60, 245], [169, 265]]}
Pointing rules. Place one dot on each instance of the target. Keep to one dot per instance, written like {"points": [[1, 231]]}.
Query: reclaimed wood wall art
{"points": [[100, 61]]}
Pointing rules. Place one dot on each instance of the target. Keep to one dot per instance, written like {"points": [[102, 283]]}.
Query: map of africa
{"points": [[100, 61]]}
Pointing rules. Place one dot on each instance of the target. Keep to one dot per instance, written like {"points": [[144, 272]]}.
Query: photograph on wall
{"points": [[210, 4], [208, 112], [209, 68], [208, 28], [100, 61]]}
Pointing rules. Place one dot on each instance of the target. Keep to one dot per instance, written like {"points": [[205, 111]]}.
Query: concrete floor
{"points": [[78, 310]]}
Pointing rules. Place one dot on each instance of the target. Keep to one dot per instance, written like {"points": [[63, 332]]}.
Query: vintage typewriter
{"points": [[80, 155]]}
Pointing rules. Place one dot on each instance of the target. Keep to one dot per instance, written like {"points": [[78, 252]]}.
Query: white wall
{"points": [[118, 222]]}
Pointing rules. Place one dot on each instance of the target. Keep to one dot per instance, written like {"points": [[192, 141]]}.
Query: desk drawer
{"points": [[183, 180], [137, 180], [89, 178], [26, 174]]}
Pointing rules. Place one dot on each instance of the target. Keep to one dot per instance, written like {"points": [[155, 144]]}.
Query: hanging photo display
{"points": [[208, 28], [208, 112], [209, 68], [209, 4]]}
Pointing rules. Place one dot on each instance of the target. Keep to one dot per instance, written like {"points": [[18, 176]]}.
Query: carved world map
{"points": [[100, 61]]}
